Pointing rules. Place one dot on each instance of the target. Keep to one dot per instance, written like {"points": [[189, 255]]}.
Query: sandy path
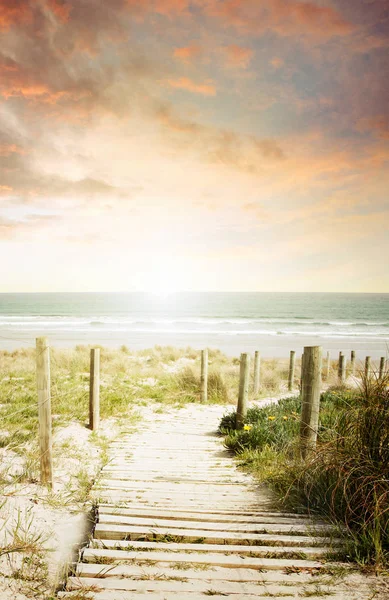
{"points": [[177, 520]]}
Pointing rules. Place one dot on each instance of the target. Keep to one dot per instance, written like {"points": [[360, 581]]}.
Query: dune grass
{"points": [[346, 479]]}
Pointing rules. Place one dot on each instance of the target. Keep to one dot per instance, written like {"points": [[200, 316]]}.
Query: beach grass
{"points": [[346, 479]]}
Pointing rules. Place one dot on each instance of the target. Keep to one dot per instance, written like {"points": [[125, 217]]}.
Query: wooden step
{"points": [[112, 531], [260, 517], [182, 547], [204, 558], [184, 587], [254, 527]]}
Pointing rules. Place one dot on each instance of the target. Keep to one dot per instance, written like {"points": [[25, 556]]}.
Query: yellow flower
{"points": [[247, 427], [271, 418], [285, 418]]}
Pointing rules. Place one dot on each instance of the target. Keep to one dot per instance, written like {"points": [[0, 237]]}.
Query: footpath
{"points": [[177, 520]]}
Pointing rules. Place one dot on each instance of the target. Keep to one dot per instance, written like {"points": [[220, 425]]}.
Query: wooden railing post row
{"points": [[257, 371], [301, 372], [342, 368], [310, 398], [204, 375], [244, 378], [367, 366], [292, 362], [44, 411], [94, 389], [382, 367], [352, 362]]}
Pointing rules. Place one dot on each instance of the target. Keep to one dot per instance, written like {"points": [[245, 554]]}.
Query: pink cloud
{"points": [[163, 7], [378, 124], [14, 11], [60, 8], [285, 18], [184, 83], [8, 149], [238, 56], [277, 63], [187, 53]]}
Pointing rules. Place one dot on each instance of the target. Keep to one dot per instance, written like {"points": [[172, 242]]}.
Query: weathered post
{"points": [[241, 409], [352, 362], [94, 389], [367, 366], [257, 372], [44, 410], [382, 367], [327, 375], [342, 369], [339, 361], [301, 373], [204, 375], [292, 362], [310, 398]]}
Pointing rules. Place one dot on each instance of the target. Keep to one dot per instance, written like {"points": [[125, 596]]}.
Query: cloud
{"points": [[187, 54], [238, 56], [217, 146], [284, 18], [8, 149], [14, 11], [378, 124], [60, 8], [11, 228], [184, 83], [277, 62]]}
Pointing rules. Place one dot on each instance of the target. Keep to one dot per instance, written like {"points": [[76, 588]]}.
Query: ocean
{"points": [[273, 323]]}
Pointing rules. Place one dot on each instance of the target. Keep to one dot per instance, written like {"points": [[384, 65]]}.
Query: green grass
{"points": [[345, 480]]}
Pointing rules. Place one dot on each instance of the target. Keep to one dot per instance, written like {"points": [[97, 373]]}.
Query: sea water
{"points": [[273, 323]]}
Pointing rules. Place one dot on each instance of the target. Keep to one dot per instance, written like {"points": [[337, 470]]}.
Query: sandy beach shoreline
{"points": [[270, 346]]}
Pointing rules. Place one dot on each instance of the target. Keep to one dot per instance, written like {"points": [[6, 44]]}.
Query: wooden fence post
{"points": [[339, 361], [44, 410], [382, 367], [310, 398], [342, 368], [352, 363], [367, 366], [204, 375], [94, 389], [292, 362], [301, 373], [257, 371], [241, 409]]}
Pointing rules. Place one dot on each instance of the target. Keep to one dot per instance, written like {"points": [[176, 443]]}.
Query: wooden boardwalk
{"points": [[177, 520]]}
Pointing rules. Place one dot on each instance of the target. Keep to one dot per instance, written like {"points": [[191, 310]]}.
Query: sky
{"points": [[164, 145]]}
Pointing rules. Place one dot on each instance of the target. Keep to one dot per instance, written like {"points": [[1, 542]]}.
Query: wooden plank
{"points": [[182, 547], [290, 524], [214, 572], [184, 587], [266, 539], [113, 595], [120, 532], [194, 515], [205, 514], [123, 577]]}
